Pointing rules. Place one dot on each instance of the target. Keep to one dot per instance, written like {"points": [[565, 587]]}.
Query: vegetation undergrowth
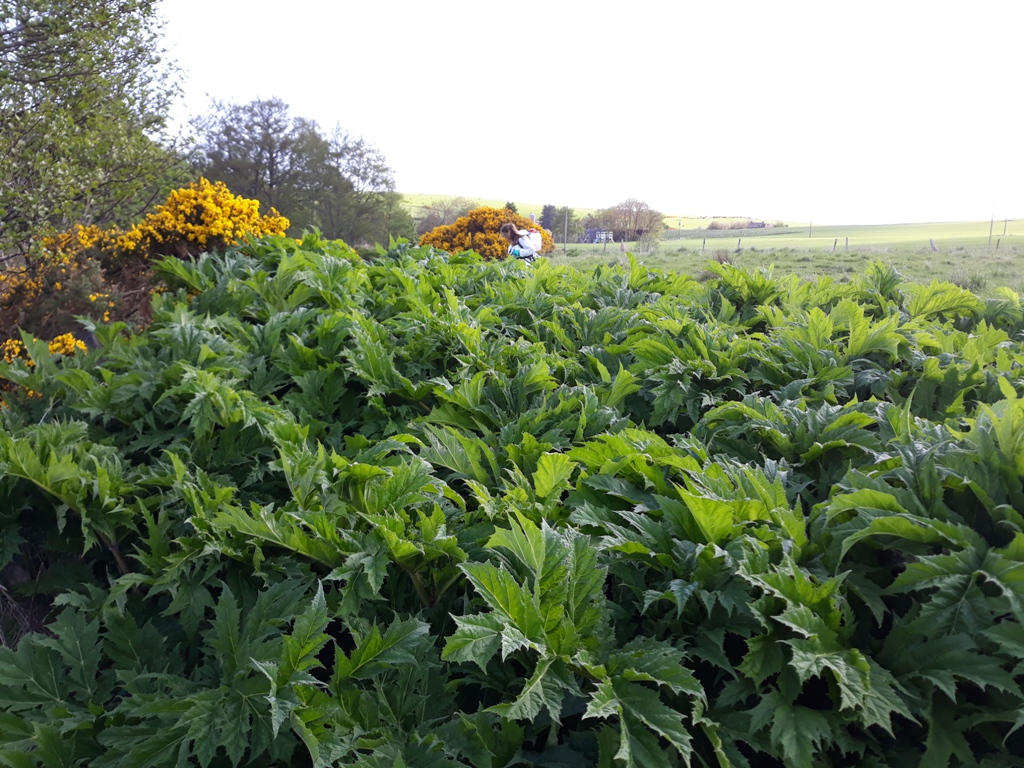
{"points": [[431, 510]]}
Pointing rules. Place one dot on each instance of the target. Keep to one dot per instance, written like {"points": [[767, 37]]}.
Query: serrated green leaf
{"points": [[375, 653], [714, 517], [512, 603], [763, 658], [524, 540], [33, 676], [799, 731], [53, 748], [638, 746], [476, 639], [226, 638], [585, 578], [10, 543], [544, 690], [552, 474], [912, 528], [17, 759], [945, 738], [603, 702], [77, 642], [513, 640], [649, 660], [645, 705], [307, 636]]}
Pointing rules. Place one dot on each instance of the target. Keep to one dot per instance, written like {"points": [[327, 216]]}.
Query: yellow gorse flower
{"points": [[201, 216], [11, 349], [66, 344], [478, 231]]}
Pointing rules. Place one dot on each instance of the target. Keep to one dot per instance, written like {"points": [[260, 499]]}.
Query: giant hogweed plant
{"points": [[428, 510]]}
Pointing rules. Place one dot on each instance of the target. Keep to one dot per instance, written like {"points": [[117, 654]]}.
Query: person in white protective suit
{"points": [[523, 243]]}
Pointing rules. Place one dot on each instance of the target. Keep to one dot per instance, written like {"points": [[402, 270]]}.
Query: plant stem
{"points": [[421, 590]]}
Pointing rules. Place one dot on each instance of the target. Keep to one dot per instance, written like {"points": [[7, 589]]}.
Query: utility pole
{"points": [[565, 235]]}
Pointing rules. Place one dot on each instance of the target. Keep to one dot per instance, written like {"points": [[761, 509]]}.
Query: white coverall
{"points": [[527, 251]]}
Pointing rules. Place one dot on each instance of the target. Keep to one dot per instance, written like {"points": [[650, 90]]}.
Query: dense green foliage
{"points": [[432, 511]]}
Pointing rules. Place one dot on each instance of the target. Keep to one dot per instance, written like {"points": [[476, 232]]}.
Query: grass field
{"points": [[960, 252], [945, 235]]}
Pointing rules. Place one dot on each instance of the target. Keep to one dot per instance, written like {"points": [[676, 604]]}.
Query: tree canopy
{"points": [[631, 220], [84, 96], [333, 182], [563, 223], [444, 211]]}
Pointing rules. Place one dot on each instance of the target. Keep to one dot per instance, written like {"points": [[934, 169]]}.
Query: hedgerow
{"points": [[429, 510]]}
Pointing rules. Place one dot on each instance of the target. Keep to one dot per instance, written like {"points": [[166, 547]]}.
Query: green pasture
{"points": [[949, 234], [962, 254]]}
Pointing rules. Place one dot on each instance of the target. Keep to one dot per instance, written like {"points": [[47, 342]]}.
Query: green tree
{"points": [[259, 151], [510, 206], [336, 183], [566, 224], [547, 217], [84, 95], [443, 211], [631, 220]]}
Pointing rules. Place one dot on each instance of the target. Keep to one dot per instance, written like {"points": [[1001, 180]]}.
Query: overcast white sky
{"points": [[852, 112]]}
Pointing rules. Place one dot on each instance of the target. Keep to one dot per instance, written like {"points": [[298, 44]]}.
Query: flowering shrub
{"points": [[203, 216], [46, 295], [478, 231], [104, 273]]}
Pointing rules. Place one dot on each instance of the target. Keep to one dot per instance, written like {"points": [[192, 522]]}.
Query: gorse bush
{"points": [[45, 295], [104, 273], [478, 231], [428, 510], [198, 218]]}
